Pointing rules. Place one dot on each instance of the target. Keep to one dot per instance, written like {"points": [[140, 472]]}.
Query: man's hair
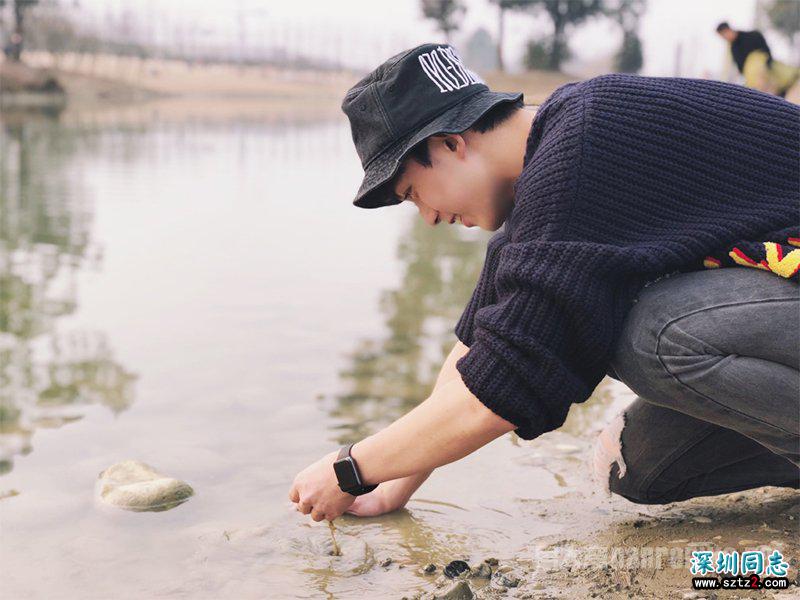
{"points": [[489, 120], [723, 26]]}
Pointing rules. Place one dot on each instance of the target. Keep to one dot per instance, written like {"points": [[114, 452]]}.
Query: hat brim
{"points": [[454, 120]]}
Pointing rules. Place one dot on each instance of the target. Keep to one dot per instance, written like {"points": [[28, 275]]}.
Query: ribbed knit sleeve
{"points": [[484, 293], [540, 347], [521, 361]]}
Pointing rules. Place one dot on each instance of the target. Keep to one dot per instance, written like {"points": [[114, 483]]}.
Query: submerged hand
{"points": [[371, 504], [315, 491], [388, 496]]}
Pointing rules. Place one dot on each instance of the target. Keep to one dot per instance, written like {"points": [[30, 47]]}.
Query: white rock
{"points": [[134, 485]]}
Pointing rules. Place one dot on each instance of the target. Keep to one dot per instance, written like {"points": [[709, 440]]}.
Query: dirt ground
{"points": [[649, 555]]}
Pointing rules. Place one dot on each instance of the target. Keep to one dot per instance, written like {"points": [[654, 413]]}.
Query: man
{"points": [[673, 202], [753, 59]]}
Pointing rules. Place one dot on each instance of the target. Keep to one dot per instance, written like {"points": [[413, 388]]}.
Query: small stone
{"points": [[459, 591], [690, 595], [386, 562], [702, 520], [482, 571], [456, 568], [429, 568], [492, 562], [134, 485], [507, 580]]}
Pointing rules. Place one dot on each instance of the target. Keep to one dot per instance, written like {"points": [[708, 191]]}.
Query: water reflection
{"points": [[46, 376], [388, 376]]}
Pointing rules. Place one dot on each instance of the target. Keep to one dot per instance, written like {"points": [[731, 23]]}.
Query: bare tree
{"points": [[446, 13], [14, 49], [502, 5], [784, 15], [563, 14]]}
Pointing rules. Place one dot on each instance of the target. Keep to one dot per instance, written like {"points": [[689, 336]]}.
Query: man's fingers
{"points": [[304, 507], [317, 515], [294, 494]]}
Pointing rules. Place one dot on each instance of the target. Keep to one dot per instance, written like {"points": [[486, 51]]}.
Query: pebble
{"points": [[429, 568], [507, 580], [456, 568], [134, 485], [459, 591], [702, 520], [492, 562], [386, 562], [482, 571]]}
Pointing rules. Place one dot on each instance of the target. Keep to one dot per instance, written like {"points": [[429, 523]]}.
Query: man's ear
{"points": [[453, 142]]}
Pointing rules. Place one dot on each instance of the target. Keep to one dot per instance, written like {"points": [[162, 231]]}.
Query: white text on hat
{"points": [[444, 68]]}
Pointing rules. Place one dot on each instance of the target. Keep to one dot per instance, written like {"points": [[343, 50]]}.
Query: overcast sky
{"points": [[366, 32]]}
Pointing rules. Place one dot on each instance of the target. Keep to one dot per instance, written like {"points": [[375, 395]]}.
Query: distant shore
{"points": [[102, 82], [90, 80]]}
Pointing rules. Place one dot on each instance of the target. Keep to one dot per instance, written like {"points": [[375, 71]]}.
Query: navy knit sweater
{"points": [[625, 179]]}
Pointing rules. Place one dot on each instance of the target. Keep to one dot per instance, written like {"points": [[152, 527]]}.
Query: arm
{"points": [[450, 424], [394, 494]]}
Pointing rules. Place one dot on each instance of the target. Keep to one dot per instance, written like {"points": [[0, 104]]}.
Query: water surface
{"points": [[192, 288]]}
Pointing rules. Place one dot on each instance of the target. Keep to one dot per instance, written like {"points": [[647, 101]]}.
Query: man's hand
{"points": [[388, 496], [315, 490]]}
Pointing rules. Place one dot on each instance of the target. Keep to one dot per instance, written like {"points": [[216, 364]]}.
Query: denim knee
{"points": [[630, 487], [615, 470]]}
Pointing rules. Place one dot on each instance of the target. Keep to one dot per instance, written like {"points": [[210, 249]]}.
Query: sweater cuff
{"points": [[495, 383]]}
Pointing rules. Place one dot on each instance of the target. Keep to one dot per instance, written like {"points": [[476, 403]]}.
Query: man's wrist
{"points": [[348, 473], [361, 455]]}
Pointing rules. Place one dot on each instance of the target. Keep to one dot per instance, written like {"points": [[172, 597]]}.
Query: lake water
{"points": [[194, 289]]}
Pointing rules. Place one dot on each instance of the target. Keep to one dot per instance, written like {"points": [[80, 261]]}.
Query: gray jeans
{"points": [[714, 358]]}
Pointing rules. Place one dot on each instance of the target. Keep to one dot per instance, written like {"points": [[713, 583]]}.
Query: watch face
{"points": [[346, 473]]}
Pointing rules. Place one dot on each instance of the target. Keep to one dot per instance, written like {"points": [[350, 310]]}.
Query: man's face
{"points": [[728, 34], [459, 185]]}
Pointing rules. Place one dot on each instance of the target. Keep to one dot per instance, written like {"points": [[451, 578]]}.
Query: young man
{"points": [[650, 233], [753, 58]]}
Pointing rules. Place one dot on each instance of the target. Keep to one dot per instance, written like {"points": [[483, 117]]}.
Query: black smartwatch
{"points": [[348, 475]]}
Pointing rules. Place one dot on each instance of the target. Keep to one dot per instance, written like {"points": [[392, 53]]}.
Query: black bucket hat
{"points": [[414, 94]]}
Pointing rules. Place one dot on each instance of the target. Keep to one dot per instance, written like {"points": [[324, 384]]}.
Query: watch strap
{"points": [[344, 452]]}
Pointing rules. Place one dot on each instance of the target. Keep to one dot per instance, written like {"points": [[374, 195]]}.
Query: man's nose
{"points": [[434, 217], [429, 216]]}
